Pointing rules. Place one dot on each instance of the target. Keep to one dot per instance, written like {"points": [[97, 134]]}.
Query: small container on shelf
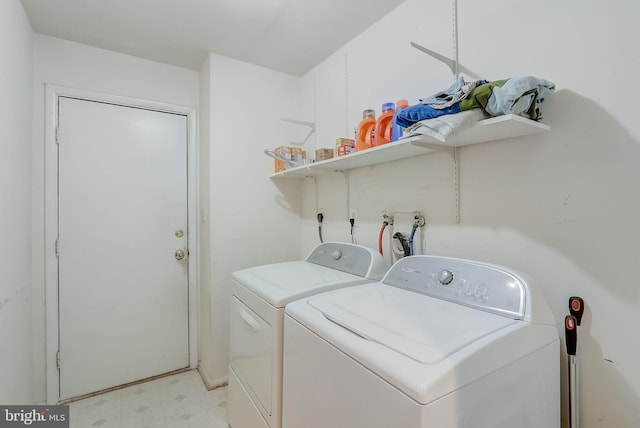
{"points": [[324, 154], [344, 146], [289, 153]]}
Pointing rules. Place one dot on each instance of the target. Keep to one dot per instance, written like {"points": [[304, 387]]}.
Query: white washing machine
{"points": [[439, 342], [256, 322]]}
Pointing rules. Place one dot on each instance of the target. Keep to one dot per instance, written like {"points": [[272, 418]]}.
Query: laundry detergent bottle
{"points": [[365, 130], [396, 130], [383, 124]]}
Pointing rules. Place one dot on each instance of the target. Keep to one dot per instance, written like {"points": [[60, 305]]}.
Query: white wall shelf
{"points": [[493, 129]]}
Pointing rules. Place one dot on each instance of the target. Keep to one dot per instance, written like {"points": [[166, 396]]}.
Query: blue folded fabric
{"points": [[412, 114]]}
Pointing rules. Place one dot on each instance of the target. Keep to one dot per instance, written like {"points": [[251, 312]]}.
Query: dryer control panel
{"points": [[349, 258], [469, 283]]}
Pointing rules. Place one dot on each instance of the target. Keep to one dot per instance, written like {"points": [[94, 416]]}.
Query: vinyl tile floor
{"points": [[177, 401]]}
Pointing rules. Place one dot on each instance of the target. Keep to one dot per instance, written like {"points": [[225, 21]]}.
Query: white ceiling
{"points": [[285, 35]]}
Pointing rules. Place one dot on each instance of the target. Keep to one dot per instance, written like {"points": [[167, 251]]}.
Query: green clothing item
{"points": [[479, 97]]}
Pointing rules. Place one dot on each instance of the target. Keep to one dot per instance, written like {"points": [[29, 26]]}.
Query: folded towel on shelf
{"points": [[445, 126]]}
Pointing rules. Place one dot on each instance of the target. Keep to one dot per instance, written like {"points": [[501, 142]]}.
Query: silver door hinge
{"points": [[57, 135], [58, 359], [57, 248]]}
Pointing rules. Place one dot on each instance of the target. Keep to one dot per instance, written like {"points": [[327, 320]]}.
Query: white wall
{"points": [[561, 206], [253, 220], [75, 65], [16, 51], [206, 342]]}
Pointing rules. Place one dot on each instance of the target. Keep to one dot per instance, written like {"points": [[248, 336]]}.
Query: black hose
{"points": [[320, 217], [352, 221], [404, 242]]}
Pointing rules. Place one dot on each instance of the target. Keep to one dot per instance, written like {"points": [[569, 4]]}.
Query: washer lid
{"points": [[281, 283], [423, 328]]}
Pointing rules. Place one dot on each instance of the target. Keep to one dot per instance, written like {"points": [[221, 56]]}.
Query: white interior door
{"points": [[122, 212]]}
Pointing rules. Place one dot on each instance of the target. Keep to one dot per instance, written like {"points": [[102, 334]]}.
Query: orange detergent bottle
{"points": [[384, 124], [364, 132]]}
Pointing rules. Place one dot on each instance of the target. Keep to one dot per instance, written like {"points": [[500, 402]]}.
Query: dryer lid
{"points": [[423, 328], [281, 283]]}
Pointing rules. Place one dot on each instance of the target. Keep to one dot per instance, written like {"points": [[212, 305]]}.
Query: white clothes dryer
{"points": [[256, 322], [439, 342]]}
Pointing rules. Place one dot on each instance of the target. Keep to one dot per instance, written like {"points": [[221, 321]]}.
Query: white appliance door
{"points": [[122, 197], [251, 352]]}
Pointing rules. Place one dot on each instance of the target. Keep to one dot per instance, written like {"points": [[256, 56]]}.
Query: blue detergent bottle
{"points": [[396, 130]]}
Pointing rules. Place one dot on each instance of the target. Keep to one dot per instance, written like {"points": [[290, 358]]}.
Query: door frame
{"points": [[52, 94]]}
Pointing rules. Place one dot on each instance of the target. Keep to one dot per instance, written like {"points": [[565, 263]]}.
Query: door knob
{"points": [[179, 254]]}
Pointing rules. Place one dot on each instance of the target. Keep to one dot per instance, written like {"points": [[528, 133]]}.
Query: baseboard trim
{"points": [[212, 384]]}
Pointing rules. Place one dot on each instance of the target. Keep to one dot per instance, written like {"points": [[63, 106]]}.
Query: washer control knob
{"points": [[337, 254], [445, 277]]}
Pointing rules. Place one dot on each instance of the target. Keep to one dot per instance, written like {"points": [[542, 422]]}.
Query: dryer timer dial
{"points": [[445, 277]]}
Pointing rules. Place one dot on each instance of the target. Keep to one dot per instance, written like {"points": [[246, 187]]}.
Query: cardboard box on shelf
{"points": [[323, 154]]}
